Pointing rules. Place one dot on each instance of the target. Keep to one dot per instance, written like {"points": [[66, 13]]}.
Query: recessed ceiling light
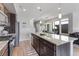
{"points": [[24, 9], [40, 22], [59, 8], [38, 8]]}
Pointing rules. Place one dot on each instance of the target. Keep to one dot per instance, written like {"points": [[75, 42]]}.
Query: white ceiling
{"points": [[48, 9]]}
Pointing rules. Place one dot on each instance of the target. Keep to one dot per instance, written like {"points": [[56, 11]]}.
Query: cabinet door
{"points": [[4, 51], [12, 21], [2, 18], [43, 48], [1, 7], [46, 48], [37, 45], [50, 52], [33, 44], [50, 49]]}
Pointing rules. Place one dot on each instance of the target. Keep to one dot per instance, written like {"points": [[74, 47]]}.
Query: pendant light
{"points": [[60, 13]]}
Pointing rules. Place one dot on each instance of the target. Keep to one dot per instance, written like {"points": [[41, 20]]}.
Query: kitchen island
{"points": [[53, 44]]}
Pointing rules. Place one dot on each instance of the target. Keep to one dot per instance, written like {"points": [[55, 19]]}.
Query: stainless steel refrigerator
{"points": [[17, 34]]}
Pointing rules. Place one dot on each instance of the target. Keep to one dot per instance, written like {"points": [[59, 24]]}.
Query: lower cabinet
{"points": [[35, 43], [4, 51], [43, 47]]}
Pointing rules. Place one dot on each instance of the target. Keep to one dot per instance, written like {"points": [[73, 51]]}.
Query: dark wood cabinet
{"points": [[43, 47], [12, 21], [35, 43]]}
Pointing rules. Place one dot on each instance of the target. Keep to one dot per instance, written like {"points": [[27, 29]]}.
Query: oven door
{"points": [[11, 46]]}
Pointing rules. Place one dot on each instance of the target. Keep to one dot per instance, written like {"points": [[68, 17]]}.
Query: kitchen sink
{"points": [[42, 34]]}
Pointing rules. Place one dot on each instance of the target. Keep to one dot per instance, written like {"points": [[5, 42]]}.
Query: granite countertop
{"points": [[56, 39], [8, 35]]}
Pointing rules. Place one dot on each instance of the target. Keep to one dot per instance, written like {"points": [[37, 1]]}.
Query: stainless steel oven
{"points": [[11, 46]]}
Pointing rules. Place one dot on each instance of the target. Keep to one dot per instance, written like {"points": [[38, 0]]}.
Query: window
{"points": [[64, 25], [56, 27]]}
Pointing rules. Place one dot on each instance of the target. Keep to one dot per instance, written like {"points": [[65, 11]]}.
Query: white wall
{"points": [[26, 29], [75, 21]]}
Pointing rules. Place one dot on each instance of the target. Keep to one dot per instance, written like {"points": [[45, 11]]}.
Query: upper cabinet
{"points": [[3, 16], [1, 7], [7, 18]]}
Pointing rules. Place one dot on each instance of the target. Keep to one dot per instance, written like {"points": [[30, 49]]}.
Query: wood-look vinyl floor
{"points": [[24, 49], [76, 50]]}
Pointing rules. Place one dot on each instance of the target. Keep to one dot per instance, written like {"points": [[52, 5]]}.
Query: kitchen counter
{"points": [[7, 35], [57, 39], [64, 44], [4, 42]]}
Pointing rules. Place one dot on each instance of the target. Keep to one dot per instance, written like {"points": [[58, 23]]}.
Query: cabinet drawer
{"points": [[42, 49]]}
